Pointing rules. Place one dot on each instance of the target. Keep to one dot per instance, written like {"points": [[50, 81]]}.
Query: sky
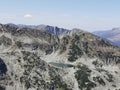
{"points": [[90, 15]]}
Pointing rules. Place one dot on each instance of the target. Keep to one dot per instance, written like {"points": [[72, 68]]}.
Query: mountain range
{"points": [[51, 58], [112, 35], [47, 28]]}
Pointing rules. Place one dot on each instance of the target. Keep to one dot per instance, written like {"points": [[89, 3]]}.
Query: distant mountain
{"points": [[111, 35], [50, 29]]}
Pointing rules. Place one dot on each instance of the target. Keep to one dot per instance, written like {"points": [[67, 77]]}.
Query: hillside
{"points": [[32, 59]]}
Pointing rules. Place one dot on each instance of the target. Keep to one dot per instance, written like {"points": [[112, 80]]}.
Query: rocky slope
{"points": [[111, 35], [32, 59]]}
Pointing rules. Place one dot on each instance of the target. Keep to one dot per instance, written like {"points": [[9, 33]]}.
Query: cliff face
{"points": [[33, 59]]}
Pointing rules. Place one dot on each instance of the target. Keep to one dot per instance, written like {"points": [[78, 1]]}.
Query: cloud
{"points": [[28, 16]]}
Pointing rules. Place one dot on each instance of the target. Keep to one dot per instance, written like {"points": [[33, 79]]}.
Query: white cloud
{"points": [[28, 16]]}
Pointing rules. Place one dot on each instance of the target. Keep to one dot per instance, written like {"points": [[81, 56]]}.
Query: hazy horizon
{"points": [[84, 14]]}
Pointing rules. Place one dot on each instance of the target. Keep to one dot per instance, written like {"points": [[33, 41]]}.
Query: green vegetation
{"points": [[82, 76], [97, 63], [74, 53], [64, 42], [57, 81], [19, 44], [5, 41], [109, 77], [99, 80]]}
